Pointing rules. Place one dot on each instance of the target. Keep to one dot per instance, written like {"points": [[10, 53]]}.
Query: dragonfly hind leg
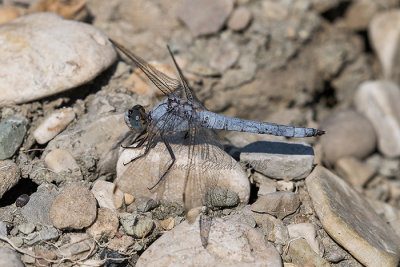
{"points": [[171, 153]]}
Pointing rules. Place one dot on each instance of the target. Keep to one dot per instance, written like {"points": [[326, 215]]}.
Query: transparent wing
{"points": [[165, 84]]}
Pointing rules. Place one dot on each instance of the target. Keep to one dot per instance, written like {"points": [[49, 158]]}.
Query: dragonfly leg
{"points": [[171, 153], [140, 156], [140, 138]]}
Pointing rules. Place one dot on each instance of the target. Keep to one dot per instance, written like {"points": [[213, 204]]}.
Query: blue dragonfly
{"points": [[182, 112]]}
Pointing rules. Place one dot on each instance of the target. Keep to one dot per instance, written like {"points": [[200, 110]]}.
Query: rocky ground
{"points": [[68, 199]]}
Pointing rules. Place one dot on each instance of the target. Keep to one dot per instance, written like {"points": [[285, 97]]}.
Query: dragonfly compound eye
{"points": [[135, 118]]}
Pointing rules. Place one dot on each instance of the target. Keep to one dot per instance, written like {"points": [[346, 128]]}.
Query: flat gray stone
{"points": [[9, 175], [279, 204], [229, 244], [279, 160], [46, 234], [351, 221], [12, 132], [9, 257], [52, 53], [378, 101], [204, 17], [37, 210]]}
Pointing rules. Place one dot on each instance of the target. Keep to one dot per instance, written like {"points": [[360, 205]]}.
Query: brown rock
{"points": [[74, 208]]}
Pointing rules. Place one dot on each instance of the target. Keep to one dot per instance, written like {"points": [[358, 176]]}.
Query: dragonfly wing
{"points": [[169, 86]]}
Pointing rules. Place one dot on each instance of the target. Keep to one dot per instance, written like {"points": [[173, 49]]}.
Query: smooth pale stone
{"points": [[379, 102], [60, 160], [230, 244], [388, 212], [8, 13], [354, 171], [107, 195], [348, 134], [74, 208], [384, 33], [128, 198], [300, 252], [351, 221], [221, 170], [94, 138], [279, 160], [53, 55], [53, 125], [204, 17], [306, 231], [239, 19]]}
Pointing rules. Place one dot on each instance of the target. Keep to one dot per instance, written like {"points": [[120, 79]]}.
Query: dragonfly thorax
{"points": [[136, 118]]}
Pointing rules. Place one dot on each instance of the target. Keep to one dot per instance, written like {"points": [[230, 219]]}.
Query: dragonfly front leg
{"points": [[140, 156], [171, 153], [141, 138]]}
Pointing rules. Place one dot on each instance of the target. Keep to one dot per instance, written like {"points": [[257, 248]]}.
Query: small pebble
{"points": [[128, 198], [168, 223], [105, 226], [239, 19], [26, 228], [12, 133], [285, 186], [22, 200], [8, 13], [53, 125], [61, 160], [107, 195]]}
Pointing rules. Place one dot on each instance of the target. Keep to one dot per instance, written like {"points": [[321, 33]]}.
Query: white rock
{"points": [[306, 231], [279, 160], [379, 102], [60, 160], [229, 244], [43, 54], [384, 33], [53, 125], [107, 195], [221, 170]]}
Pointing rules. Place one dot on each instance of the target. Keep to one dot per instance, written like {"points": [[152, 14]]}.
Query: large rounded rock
{"points": [[9, 175], [74, 208], [348, 133], [379, 102], [384, 33], [229, 244], [43, 54], [187, 180]]}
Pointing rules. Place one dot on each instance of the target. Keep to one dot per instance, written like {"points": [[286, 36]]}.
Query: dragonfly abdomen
{"points": [[219, 122]]}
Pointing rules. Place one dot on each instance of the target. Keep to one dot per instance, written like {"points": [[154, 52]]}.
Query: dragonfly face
{"points": [[136, 119]]}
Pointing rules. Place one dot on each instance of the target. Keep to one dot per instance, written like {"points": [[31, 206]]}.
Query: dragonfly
{"points": [[181, 112]]}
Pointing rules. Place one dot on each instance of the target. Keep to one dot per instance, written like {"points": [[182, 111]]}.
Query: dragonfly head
{"points": [[136, 119]]}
